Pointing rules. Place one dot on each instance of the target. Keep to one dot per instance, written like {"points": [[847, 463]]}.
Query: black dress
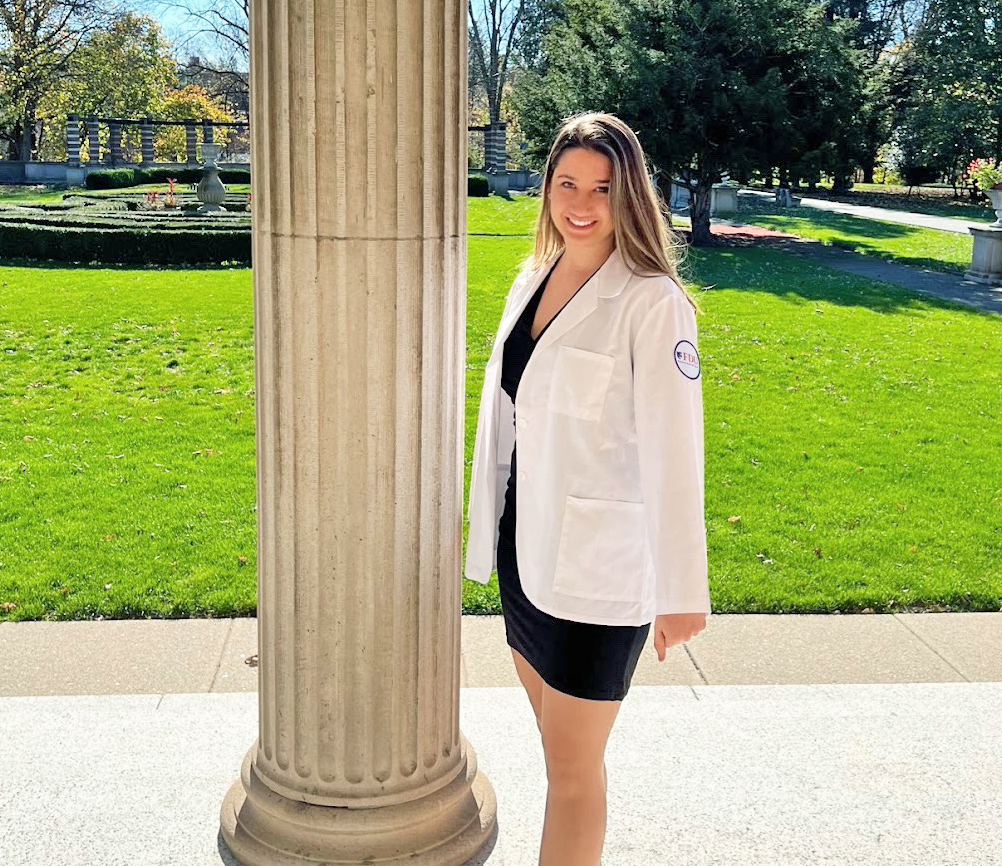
{"points": [[586, 660]]}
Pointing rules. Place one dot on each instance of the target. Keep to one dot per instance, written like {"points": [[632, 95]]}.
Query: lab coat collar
{"points": [[607, 282], [613, 276]]}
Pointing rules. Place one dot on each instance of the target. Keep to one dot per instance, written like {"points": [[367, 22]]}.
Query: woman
{"points": [[594, 390]]}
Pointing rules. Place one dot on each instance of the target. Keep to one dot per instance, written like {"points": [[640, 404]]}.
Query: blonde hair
{"points": [[640, 216]]}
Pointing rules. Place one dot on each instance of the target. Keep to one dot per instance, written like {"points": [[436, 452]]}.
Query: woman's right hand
{"points": [[673, 628]]}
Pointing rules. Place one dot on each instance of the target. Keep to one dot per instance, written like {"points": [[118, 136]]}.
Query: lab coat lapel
{"points": [[517, 305], [606, 282]]}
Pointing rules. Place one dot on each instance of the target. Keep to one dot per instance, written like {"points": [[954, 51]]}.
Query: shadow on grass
{"points": [[864, 229], [747, 265]]}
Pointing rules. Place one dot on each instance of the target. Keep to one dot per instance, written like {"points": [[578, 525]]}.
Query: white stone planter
{"points": [[211, 191], [995, 195]]}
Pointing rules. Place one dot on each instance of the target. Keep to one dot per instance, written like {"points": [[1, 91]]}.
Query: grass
{"points": [[852, 436], [911, 245]]}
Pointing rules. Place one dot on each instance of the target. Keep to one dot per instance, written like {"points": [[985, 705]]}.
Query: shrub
{"points": [[125, 244], [115, 178], [111, 178], [477, 186], [105, 231]]}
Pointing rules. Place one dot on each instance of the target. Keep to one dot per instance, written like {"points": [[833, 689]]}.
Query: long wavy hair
{"points": [[643, 235]]}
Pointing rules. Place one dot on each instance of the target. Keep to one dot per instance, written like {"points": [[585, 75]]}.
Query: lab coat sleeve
{"points": [[668, 407], [489, 475]]}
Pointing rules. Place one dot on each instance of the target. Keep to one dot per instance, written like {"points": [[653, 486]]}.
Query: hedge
{"points": [[125, 245], [117, 178], [477, 186]]}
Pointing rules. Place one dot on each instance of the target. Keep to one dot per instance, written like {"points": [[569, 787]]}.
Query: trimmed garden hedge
{"points": [[477, 186], [125, 245], [117, 178], [101, 230]]}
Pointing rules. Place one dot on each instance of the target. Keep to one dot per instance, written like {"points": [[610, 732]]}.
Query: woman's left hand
{"points": [[673, 628]]}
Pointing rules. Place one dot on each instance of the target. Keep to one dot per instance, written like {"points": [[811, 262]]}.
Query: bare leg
{"points": [[532, 681], [575, 733]]}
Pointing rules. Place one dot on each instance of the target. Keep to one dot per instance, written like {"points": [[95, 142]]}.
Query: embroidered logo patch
{"points": [[687, 359]]}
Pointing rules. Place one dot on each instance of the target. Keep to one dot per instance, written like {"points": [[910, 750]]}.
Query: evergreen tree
{"points": [[711, 86]]}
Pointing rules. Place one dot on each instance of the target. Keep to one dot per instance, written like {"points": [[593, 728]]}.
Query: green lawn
{"points": [[852, 436], [910, 245]]}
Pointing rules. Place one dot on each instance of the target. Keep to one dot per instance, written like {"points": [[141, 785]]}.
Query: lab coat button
{"points": [[522, 422], [521, 476]]}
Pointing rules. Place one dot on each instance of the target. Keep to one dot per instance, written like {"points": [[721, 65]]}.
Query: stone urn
{"points": [[211, 191], [995, 196]]}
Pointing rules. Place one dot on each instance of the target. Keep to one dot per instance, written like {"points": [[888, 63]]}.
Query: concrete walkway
{"points": [[946, 224], [765, 740]]}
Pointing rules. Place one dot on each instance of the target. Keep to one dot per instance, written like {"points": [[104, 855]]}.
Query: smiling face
{"points": [[579, 198]]}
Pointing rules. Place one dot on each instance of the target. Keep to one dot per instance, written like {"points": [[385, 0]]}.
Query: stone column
{"points": [[73, 140], [114, 142], [497, 157], [93, 140], [146, 138], [359, 243], [191, 142]]}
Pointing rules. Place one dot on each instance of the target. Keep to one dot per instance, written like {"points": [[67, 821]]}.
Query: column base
{"points": [[446, 828], [983, 279]]}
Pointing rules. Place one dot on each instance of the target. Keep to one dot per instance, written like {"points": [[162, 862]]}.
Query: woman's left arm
{"points": [[668, 407]]}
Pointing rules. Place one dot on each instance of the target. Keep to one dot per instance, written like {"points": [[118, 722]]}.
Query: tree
{"points": [[710, 86], [38, 39], [217, 41], [881, 24], [492, 37], [124, 70], [948, 88], [186, 103]]}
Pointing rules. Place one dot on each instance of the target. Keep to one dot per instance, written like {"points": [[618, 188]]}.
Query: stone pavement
{"points": [[766, 740]]}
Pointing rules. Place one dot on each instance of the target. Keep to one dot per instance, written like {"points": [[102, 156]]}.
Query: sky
{"points": [[175, 26]]}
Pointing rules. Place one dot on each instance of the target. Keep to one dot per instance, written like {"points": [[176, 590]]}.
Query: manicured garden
{"points": [[852, 435]]}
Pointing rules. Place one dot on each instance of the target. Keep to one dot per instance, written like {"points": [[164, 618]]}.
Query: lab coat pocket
{"points": [[579, 383], [602, 552]]}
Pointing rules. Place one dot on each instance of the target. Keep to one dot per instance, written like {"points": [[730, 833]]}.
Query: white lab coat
{"points": [[609, 496]]}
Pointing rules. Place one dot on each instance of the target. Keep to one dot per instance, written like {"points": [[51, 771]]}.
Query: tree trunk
{"points": [[840, 180], [27, 132], [699, 215], [868, 172]]}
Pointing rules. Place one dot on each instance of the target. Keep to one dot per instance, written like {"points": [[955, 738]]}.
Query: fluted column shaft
{"points": [[359, 248]]}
